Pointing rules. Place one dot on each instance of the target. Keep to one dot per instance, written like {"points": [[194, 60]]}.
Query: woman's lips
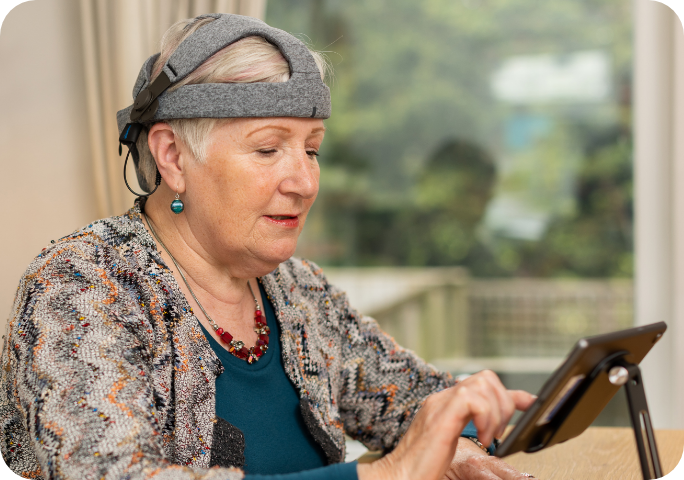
{"points": [[288, 221]]}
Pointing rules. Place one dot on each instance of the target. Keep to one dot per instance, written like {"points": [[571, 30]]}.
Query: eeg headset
{"points": [[303, 95]]}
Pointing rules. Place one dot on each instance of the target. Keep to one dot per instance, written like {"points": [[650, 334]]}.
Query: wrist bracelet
{"points": [[479, 444]]}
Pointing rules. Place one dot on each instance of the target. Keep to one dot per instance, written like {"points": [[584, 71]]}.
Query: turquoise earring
{"points": [[177, 205]]}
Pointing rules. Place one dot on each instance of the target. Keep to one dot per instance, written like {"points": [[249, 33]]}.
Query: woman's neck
{"points": [[202, 270], [224, 296]]}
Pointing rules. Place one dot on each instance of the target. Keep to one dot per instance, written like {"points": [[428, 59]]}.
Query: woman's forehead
{"points": [[253, 127]]}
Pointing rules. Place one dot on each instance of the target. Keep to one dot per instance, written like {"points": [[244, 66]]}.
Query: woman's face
{"points": [[248, 203]]}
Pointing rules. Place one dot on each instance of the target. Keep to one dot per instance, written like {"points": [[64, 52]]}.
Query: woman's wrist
{"points": [[377, 470], [488, 450], [479, 444], [364, 471]]}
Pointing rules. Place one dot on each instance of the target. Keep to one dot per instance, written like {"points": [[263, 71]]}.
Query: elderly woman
{"points": [[181, 340]]}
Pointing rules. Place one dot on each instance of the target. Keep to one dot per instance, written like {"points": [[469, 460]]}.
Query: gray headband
{"points": [[303, 95]]}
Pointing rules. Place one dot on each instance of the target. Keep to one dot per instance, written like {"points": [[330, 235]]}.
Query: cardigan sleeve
{"points": [[76, 396], [384, 384]]}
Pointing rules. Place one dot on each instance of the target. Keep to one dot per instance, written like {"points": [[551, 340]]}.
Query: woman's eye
{"points": [[312, 153], [267, 151]]}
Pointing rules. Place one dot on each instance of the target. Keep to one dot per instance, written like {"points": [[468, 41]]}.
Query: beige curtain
{"points": [[118, 35]]}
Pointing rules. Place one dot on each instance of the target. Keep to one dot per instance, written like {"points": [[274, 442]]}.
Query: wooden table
{"points": [[600, 453]]}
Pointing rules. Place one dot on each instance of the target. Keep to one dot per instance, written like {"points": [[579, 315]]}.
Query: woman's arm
{"points": [[388, 389], [77, 399], [383, 384]]}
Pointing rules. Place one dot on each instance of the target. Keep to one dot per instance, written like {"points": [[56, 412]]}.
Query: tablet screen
{"points": [[560, 398]]}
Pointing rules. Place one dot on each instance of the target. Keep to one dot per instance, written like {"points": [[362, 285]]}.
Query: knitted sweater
{"points": [[107, 374]]}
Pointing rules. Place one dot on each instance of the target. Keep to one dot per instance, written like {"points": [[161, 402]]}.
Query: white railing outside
{"points": [[450, 319]]}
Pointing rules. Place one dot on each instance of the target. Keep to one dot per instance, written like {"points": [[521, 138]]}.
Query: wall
{"points": [[46, 189]]}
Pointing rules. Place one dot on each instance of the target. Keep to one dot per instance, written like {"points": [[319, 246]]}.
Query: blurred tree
{"points": [[597, 241], [440, 226]]}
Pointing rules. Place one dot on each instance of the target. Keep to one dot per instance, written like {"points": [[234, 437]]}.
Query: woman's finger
{"points": [[495, 406], [522, 399], [484, 406], [503, 470], [505, 402], [465, 402], [471, 463]]}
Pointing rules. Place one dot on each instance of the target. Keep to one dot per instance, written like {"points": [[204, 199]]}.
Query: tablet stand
{"points": [[629, 375]]}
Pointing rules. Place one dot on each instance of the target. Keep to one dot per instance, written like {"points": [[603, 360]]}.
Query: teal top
{"points": [[260, 400]]}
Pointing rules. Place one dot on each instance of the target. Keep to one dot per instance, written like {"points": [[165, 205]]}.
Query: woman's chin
{"points": [[277, 253]]}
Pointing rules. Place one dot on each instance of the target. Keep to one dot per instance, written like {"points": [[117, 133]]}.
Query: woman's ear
{"points": [[166, 150]]}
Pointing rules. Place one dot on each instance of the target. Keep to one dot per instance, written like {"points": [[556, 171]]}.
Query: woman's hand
{"points": [[471, 463], [428, 447]]}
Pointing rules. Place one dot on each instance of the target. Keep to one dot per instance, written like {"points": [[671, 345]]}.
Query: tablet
{"points": [[579, 389]]}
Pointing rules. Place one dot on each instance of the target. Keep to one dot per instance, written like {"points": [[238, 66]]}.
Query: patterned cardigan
{"points": [[106, 372]]}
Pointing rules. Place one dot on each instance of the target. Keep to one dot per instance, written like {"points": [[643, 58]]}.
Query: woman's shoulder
{"points": [[299, 279], [105, 241], [103, 267]]}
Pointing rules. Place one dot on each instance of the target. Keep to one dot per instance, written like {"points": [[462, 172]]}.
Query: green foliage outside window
{"points": [[421, 157]]}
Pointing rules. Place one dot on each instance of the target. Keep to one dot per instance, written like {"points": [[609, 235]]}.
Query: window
{"points": [[476, 178]]}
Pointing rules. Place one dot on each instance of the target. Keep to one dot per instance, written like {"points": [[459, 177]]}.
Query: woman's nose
{"points": [[302, 178]]}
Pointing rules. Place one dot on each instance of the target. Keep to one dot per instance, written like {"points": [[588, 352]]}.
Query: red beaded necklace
{"points": [[235, 347]]}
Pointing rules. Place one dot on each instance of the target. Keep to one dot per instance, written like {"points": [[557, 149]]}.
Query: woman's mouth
{"points": [[289, 221]]}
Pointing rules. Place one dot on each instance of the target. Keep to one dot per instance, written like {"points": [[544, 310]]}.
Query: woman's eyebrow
{"points": [[284, 129], [275, 127]]}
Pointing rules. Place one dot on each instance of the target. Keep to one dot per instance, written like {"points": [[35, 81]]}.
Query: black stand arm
{"points": [[629, 375]]}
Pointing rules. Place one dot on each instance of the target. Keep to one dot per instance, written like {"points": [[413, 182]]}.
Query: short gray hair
{"points": [[249, 60]]}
